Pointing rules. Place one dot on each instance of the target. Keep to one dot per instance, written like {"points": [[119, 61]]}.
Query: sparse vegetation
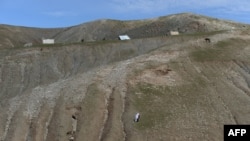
{"points": [[150, 100], [221, 51], [183, 87], [155, 102]]}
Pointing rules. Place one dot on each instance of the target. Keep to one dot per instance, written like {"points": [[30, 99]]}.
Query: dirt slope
{"points": [[184, 88]]}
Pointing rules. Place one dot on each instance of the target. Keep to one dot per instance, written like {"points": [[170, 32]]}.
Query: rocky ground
{"points": [[183, 87]]}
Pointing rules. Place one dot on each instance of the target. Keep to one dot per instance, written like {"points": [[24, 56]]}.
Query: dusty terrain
{"points": [[183, 87]]}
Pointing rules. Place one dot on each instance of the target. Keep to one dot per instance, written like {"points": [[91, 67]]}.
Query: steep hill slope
{"points": [[15, 36], [184, 88], [185, 23]]}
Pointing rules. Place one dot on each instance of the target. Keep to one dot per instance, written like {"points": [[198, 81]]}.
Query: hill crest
{"points": [[109, 29]]}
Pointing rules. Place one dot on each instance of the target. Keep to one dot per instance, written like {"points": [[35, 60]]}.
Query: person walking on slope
{"points": [[137, 117]]}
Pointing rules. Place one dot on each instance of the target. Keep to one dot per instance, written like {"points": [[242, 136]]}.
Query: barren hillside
{"points": [[184, 88], [106, 29], [15, 36]]}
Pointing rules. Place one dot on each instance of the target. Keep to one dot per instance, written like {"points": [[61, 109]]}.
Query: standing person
{"points": [[137, 117]]}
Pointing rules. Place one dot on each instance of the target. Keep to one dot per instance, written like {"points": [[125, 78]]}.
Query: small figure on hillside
{"points": [[69, 133], [207, 40], [74, 117], [137, 117]]}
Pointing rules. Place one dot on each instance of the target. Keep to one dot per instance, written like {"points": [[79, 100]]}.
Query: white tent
{"points": [[48, 41], [174, 33], [124, 37]]}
